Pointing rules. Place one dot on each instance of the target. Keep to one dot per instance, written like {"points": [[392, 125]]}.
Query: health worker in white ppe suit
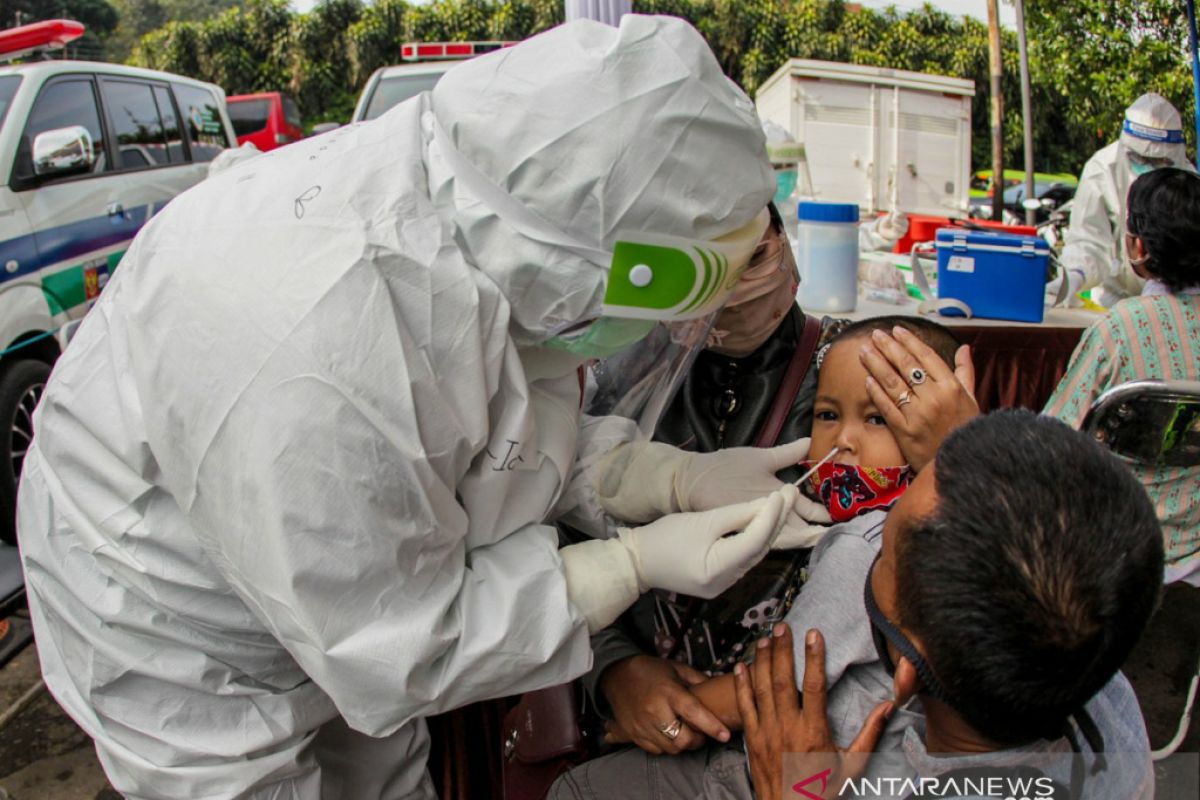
{"points": [[289, 483], [1094, 254]]}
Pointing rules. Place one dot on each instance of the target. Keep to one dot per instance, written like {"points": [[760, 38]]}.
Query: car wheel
{"points": [[21, 388]]}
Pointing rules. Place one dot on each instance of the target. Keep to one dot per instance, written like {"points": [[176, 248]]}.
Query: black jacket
{"points": [[723, 402]]}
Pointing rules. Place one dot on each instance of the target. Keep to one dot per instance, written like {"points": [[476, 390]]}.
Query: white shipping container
{"points": [[878, 137]]}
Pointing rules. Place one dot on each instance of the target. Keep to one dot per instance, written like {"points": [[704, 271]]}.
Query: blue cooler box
{"points": [[999, 275]]}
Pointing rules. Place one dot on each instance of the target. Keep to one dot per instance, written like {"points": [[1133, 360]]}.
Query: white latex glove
{"points": [[798, 532], [642, 481], [691, 553], [894, 225], [710, 480], [1074, 281]]}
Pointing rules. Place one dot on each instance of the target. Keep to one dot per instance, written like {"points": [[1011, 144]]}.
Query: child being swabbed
{"points": [[867, 473], [868, 470]]}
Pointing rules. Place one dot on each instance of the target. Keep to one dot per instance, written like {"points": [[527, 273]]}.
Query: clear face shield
{"points": [[1148, 147], [662, 297]]}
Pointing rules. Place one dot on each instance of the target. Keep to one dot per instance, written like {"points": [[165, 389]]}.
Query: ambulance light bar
{"points": [[433, 51], [29, 39]]}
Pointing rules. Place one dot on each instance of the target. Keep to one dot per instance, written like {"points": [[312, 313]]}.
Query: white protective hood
{"points": [[635, 151], [289, 480], [1153, 128]]}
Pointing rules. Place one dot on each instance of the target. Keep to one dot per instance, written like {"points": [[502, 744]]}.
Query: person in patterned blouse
{"points": [[1154, 336]]}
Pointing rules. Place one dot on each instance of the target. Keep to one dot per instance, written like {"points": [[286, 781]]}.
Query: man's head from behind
{"points": [[1162, 227], [1023, 572]]}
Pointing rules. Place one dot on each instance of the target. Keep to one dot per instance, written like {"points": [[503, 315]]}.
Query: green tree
{"points": [[139, 17], [1092, 58], [373, 40], [321, 67], [1089, 58]]}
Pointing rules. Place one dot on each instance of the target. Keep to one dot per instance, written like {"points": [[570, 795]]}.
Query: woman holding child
{"points": [[649, 666]]}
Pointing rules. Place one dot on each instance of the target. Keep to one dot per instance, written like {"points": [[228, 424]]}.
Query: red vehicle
{"points": [[267, 119]]}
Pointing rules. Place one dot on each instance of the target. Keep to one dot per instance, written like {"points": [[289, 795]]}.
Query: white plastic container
{"points": [[827, 256]]}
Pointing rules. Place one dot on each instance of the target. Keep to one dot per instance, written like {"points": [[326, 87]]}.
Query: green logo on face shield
{"points": [[649, 276], [656, 277], [603, 338]]}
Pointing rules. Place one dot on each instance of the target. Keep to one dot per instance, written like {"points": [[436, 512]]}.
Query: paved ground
{"points": [[43, 755]]}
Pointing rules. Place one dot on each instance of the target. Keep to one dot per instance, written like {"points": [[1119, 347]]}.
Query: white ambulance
{"points": [[425, 63], [88, 153]]}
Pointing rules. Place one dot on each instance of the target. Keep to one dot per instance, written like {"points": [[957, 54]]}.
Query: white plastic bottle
{"points": [[827, 256]]}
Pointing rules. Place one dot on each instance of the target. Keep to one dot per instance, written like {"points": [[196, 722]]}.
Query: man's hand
{"points": [[776, 724], [917, 393], [647, 694]]}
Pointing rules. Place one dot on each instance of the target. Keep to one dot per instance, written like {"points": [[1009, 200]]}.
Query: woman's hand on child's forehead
{"points": [[923, 409]]}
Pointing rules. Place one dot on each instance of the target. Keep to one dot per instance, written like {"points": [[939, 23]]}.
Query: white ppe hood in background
{"points": [[289, 479]]}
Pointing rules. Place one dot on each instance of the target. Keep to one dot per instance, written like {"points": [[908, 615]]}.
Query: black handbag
{"points": [[543, 738]]}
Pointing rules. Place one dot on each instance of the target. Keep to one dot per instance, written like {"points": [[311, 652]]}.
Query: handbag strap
{"points": [[789, 389]]}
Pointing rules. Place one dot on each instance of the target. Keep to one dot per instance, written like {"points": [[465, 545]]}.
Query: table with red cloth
{"points": [[1017, 364]]}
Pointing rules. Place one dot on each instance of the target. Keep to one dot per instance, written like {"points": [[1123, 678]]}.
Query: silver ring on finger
{"points": [[904, 399], [916, 376], [671, 729]]}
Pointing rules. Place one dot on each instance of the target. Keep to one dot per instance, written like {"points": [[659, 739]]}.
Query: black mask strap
{"points": [[1095, 741], [1091, 734], [893, 635], [1077, 777]]}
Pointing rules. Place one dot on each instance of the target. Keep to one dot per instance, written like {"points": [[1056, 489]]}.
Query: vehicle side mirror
{"points": [[325, 127], [1156, 423], [63, 151]]}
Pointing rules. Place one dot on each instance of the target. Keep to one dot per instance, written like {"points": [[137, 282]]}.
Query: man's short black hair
{"points": [[938, 337], [1033, 579], [1164, 212]]}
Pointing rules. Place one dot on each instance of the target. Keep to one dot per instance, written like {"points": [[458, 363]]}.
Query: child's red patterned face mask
{"points": [[848, 490]]}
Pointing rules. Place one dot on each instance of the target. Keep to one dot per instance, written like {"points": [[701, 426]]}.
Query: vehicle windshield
{"points": [[1015, 194], [248, 116], [8, 89], [398, 88]]}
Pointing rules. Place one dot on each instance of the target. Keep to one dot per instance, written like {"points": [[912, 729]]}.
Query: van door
{"points": [[78, 223], [151, 152]]}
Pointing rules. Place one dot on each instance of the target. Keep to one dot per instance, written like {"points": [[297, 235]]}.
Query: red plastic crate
{"points": [[923, 228]]}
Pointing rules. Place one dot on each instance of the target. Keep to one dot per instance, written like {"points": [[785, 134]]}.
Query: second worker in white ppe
{"points": [[1094, 253], [289, 483]]}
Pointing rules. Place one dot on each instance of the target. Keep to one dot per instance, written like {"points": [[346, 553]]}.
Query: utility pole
{"points": [[1191, 10], [1026, 110], [997, 115]]}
